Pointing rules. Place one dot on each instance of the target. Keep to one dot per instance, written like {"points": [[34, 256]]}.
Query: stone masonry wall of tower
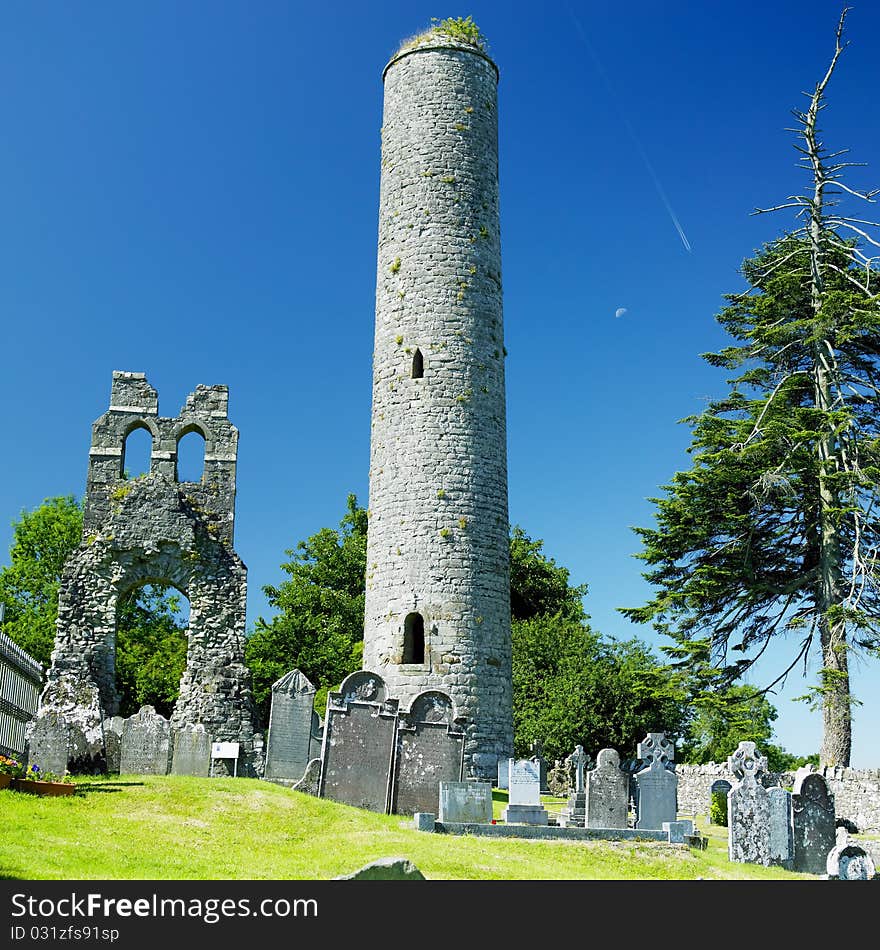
{"points": [[438, 590]]}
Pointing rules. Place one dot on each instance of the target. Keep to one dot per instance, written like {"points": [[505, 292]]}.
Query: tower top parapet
{"points": [[460, 34]]}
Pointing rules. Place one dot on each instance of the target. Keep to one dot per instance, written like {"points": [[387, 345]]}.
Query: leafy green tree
{"points": [[42, 541], [538, 586], [774, 529], [722, 720], [151, 647], [319, 627], [572, 686]]}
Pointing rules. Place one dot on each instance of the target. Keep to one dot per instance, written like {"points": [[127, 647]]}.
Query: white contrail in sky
{"points": [[632, 133]]}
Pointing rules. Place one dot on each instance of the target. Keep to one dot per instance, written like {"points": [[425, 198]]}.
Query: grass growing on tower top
{"points": [[462, 29]]}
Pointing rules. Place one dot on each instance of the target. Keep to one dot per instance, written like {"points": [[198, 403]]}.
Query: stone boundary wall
{"points": [[856, 791]]}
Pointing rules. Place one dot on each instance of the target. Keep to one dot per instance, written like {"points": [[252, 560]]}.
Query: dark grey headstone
{"points": [[781, 832], [113, 742], [360, 736], [430, 750], [607, 792], [813, 822], [537, 750], [49, 742], [310, 782], [192, 751], [146, 744], [292, 724]]}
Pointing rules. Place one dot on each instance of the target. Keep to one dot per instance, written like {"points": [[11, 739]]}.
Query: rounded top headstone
{"points": [[608, 758], [432, 706], [364, 687]]}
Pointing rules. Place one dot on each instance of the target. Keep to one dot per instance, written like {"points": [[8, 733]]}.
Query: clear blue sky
{"points": [[190, 190]]}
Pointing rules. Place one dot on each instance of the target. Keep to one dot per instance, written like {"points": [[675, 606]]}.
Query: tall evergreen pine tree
{"points": [[775, 527]]}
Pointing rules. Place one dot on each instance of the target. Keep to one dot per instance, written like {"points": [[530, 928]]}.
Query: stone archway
{"points": [[154, 529]]}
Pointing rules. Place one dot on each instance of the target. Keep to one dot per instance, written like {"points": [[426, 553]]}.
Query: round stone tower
{"points": [[438, 579]]}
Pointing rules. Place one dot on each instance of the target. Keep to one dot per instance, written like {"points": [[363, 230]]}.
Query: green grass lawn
{"points": [[185, 828]]}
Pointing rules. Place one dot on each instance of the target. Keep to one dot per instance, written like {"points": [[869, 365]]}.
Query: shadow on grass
{"points": [[105, 787]]}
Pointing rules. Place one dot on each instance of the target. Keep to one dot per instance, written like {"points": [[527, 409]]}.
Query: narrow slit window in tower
{"points": [[414, 639], [418, 366]]}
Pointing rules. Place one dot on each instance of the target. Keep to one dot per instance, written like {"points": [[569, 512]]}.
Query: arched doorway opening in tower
{"points": [[151, 643], [414, 638]]}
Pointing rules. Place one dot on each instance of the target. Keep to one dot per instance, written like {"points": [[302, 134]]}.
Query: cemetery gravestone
{"points": [[49, 742], [657, 785], [524, 796], [192, 751], [848, 861], [813, 822], [558, 778], [360, 736], [146, 744], [537, 750], [293, 724], [781, 832], [576, 811], [680, 830], [748, 808], [430, 750], [113, 742], [310, 783], [468, 802], [607, 792]]}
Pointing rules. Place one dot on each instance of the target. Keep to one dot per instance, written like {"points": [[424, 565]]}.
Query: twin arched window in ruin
{"points": [[137, 450]]}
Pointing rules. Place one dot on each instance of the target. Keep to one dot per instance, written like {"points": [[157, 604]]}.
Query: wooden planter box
{"points": [[5, 780], [43, 788]]}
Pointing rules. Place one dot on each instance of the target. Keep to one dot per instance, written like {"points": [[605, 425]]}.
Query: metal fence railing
{"points": [[21, 679]]}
